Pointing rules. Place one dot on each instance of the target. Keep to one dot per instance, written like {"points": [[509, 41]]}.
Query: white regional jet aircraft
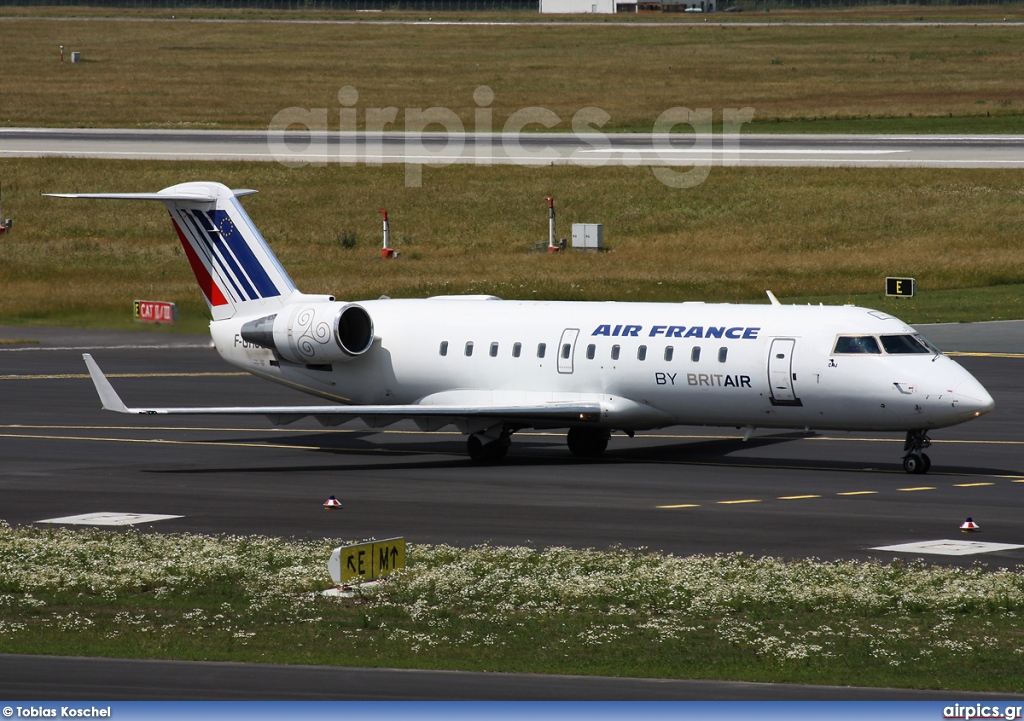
{"points": [[491, 367]]}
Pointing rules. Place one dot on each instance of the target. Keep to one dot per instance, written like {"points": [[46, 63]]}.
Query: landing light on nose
{"points": [[972, 400]]}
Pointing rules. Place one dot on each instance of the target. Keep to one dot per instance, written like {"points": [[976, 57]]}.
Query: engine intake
{"points": [[314, 334]]}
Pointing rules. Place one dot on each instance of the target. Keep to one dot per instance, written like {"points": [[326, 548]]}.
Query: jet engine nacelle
{"points": [[314, 333]]}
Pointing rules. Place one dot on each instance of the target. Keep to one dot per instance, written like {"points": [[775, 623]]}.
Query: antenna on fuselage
{"points": [[772, 298]]}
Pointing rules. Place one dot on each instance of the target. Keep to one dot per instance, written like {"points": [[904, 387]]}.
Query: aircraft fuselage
{"points": [[685, 363]]}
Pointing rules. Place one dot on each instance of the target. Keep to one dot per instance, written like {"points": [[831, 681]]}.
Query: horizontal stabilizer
{"points": [[196, 195], [163, 197]]}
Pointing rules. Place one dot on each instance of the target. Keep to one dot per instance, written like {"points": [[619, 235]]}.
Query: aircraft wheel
{"points": [[913, 463], [926, 463], [587, 442], [481, 452]]}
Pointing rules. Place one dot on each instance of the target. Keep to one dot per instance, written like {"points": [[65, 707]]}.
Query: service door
{"points": [[566, 349], [781, 378]]}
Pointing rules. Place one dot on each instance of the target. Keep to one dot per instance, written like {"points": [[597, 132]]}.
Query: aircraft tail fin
{"points": [[234, 266]]}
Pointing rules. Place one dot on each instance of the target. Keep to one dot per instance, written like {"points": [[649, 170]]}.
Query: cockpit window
{"points": [[928, 344], [857, 344], [899, 344]]}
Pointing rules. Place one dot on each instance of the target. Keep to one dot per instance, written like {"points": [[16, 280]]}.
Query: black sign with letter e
{"points": [[900, 287]]}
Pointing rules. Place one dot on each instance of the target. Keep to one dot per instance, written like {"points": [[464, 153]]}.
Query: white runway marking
{"points": [[109, 519], [162, 346], [745, 151], [949, 548]]}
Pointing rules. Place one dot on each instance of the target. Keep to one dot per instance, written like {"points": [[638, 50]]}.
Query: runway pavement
{"points": [[44, 678], [594, 149], [680, 490]]}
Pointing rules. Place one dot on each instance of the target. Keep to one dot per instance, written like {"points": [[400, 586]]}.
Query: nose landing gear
{"points": [[914, 461]]}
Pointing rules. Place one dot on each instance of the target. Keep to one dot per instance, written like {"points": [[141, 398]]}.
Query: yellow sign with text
{"points": [[369, 561]]}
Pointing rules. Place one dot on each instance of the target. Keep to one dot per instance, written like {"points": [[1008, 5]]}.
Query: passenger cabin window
{"points": [[444, 347], [494, 350], [469, 348], [857, 344], [542, 348], [641, 353], [517, 348], [723, 353], [566, 350], [591, 350], [899, 344], [615, 352], [668, 353], [695, 354]]}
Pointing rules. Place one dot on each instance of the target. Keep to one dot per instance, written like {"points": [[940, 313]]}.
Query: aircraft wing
{"points": [[466, 405]]}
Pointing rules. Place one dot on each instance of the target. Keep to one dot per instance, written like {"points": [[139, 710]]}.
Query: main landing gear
{"points": [[587, 442], [914, 461], [582, 442], [491, 452]]}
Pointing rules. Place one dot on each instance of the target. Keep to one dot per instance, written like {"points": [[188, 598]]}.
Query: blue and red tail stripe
{"points": [[244, 255], [229, 255], [214, 295], [223, 264]]}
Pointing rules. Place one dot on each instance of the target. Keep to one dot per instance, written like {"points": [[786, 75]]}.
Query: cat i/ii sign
{"points": [[900, 287], [155, 311], [366, 561]]}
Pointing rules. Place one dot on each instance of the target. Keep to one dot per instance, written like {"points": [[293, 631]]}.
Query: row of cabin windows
{"points": [[641, 352]]}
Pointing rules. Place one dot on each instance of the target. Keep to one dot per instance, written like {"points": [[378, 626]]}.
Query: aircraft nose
{"points": [[972, 400]]}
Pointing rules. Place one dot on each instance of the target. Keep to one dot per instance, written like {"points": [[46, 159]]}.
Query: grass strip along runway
{"points": [[556, 610], [808, 234], [840, 78]]}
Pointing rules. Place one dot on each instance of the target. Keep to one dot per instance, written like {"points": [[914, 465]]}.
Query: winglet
{"points": [[108, 396]]}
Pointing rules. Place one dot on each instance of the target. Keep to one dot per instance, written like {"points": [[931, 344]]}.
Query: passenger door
{"points": [[567, 349], [781, 378]]}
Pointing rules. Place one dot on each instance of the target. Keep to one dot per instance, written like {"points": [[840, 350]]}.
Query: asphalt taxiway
{"points": [[680, 490]]}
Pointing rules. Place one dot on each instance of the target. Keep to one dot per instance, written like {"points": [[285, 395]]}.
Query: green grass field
{"points": [[806, 234], [810, 234], [846, 78], [557, 610]]}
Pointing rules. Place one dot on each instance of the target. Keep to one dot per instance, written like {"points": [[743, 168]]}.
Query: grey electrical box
{"points": [[587, 235]]}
